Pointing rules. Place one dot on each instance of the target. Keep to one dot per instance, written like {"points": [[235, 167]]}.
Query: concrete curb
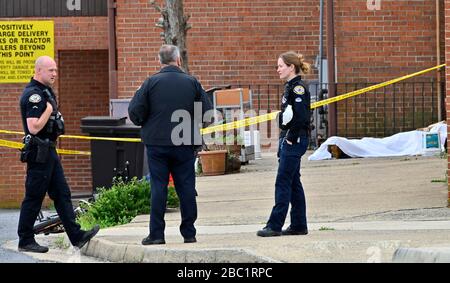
{"points": [[422, 255], [107, 250]]}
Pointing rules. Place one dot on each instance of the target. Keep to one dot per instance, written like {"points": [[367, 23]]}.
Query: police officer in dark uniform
{"points": [[169, 106], [294, 121], [43, 124]]}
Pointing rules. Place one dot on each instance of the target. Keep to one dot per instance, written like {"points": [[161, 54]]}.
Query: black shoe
{"points": [[33, 248], [87, 236], [148, 241], [190, 240], [290, 231], [267, 232]]}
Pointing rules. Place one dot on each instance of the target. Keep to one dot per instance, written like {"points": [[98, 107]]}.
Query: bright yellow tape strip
{"points": [[101, 138], [10, 132], [81, 137], [18, 145], [240, 123], [367, 89]]}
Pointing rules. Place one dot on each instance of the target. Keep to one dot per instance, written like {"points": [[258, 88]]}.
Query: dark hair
{"points": [[296, 59], [168, 54]]}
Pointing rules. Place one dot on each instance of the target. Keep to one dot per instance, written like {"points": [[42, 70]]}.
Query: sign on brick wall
{"points": [[21, 43]]}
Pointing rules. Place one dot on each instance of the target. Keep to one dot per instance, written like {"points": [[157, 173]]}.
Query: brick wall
{"points": [[12, 170], [231, 42], [376, 46], [83, 92]]}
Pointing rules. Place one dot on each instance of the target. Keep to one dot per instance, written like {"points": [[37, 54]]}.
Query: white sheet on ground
{"points": [[401, 144]]}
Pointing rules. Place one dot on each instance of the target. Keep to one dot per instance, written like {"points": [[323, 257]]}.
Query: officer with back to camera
{"points": [[155, 107], [43, 124]]}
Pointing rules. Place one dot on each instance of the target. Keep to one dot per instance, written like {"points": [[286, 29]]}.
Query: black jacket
{"points": [[297, 95], [164, 107]]}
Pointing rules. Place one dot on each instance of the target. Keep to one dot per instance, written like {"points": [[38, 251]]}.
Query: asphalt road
{"points": [[8, 232]]}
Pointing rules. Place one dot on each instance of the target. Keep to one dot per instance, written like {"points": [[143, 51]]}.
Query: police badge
{"points": [[35, 98], [300, 90]]}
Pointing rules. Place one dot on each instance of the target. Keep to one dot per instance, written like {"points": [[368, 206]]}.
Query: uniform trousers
{"points": [[45, 178], [289, 188], [179, 161]]}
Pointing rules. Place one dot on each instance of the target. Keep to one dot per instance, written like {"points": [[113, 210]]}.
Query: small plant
{"points": [[121, 203], [444, 180], [172, 198], [323, 228], [198, 168], [61, 244]]}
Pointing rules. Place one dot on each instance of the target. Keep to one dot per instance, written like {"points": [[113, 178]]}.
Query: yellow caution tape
{"points": [[367, 89], [11, 144], [241, 123], [10, 132], [18, 145], [75, 152], [252, 120], [81, 137], [101, 138]]}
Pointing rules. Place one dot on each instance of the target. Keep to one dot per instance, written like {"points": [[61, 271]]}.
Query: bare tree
{"points": [[175, 26]]}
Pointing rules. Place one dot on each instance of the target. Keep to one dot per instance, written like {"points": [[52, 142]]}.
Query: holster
{"points": [[35, 149], [26, 150], [43, 147]]}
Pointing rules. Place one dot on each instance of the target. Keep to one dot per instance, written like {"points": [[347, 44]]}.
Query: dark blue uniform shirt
{"points": [[33, 103], [297, 95]]}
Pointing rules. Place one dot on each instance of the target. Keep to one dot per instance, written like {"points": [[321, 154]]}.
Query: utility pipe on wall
{"points": [[112, 52], [332, 113], [438, 59]]}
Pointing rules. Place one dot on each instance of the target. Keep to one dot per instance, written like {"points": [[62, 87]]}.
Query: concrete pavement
{"points": [[359, 210]]}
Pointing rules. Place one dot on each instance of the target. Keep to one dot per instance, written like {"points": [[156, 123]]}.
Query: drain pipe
{"points": [[438, 59], [321, 47], [112, 49], [332, 117]]}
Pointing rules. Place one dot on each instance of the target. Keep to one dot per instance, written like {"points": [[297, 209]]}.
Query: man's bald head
{"points": [[45, 70]]}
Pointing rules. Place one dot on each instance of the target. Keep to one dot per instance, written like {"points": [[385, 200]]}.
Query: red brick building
{"points": [[230, 42]]}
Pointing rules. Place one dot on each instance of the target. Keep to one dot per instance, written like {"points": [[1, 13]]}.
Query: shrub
{"points": [[121, 203]]}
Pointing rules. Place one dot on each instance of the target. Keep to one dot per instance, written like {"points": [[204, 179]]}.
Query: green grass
{"points": [[61, 244], [323, 228], [443, 180]]}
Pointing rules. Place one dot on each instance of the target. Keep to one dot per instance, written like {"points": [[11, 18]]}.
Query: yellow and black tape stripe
{"points": [[18, 145]]}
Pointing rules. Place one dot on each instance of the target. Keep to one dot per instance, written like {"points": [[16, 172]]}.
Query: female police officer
{"points": [[294, 122]]}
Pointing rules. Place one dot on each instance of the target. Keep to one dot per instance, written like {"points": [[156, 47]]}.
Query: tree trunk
{"points": [[175, 26]]}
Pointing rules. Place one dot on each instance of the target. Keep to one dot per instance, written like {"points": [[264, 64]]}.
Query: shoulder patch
{"points": [[35, 98], [300, 90]]}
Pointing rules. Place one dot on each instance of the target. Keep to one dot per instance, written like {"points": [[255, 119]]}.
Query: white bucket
{"points": [[256, 142]]}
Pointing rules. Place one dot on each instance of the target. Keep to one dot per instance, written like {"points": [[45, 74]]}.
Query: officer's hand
{"points": [[50, 107]]}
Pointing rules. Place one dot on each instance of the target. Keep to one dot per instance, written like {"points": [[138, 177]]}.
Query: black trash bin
{"points": [[113, 158]]}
